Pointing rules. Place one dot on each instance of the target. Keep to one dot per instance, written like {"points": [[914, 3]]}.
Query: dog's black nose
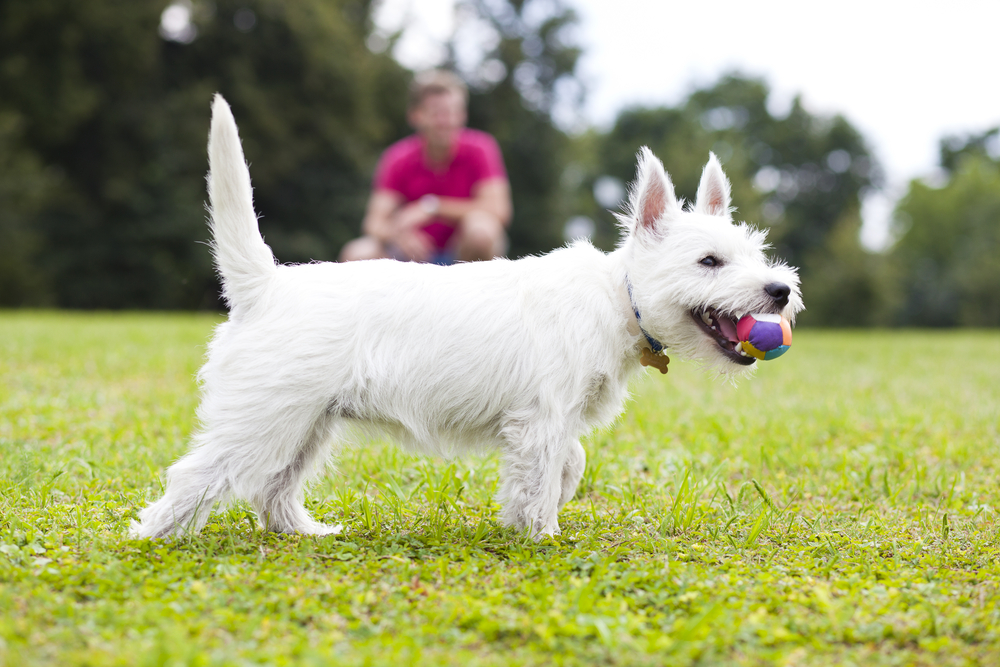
{"points": [[779, 292]]}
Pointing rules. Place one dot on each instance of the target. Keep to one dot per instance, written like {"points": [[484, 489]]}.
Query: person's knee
{"points": [[362, 248], [482, 236]]}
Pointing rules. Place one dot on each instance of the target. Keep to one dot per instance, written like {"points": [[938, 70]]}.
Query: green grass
{"points": [[840, 508]]}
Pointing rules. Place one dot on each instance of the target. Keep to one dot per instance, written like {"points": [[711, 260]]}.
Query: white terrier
{"points": [[522, 356]]}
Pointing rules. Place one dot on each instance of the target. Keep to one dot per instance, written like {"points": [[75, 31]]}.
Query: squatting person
{"points": [[441, 194]]}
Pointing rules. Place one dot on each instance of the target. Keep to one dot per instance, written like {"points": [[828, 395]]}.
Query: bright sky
{"points": [[904, 73]]}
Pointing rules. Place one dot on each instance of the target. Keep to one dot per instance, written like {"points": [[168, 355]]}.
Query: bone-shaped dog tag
{"points": [[658, 361]]}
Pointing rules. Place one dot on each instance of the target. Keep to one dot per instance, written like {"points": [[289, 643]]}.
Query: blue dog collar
{"points": [[657, 346]]}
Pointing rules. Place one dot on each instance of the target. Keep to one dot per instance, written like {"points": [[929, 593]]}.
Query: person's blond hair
{"points": [[435, 82]]}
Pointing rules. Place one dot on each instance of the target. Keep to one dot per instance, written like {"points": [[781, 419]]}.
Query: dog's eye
{"points": [[711, 260]]}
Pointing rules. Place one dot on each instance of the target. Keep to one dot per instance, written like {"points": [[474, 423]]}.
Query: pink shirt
{"points": [[403, 169]]}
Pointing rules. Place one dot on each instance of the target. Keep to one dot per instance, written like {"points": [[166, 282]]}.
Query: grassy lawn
{"points": [[840, 508]]}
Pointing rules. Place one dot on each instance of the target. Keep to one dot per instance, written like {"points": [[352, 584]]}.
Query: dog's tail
{"points": [[244, 260]]}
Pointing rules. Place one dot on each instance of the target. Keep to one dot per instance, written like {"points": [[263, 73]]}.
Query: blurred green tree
{"points": [[955, 148], [63, 69], [105, 108], [947, 258], [25, 186]]}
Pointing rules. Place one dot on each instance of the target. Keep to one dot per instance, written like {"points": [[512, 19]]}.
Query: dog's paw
{"points": [[147, 531], [323, 529], [545, 533], [539, 531]]}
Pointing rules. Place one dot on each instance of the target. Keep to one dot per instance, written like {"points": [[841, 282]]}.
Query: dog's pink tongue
{"points": [[728, 329]]}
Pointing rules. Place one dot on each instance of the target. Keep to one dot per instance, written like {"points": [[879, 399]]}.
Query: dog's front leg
{"points": [[531, 490]]}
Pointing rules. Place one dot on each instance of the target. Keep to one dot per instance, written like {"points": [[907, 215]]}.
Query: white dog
{"points": [[523, 356]]}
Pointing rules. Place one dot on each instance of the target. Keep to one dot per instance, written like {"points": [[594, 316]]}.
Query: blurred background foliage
{"points": [[104, 111], [947, 260]]}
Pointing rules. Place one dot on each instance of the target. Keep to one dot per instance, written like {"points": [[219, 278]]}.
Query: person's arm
{"points": [[378, 222], [491, 196]]}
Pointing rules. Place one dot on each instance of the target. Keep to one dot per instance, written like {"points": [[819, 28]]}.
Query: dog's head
{"points": [[694, 272]]}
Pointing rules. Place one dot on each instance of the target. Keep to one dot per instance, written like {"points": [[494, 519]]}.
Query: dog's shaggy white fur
{"points": [[523, 356]]}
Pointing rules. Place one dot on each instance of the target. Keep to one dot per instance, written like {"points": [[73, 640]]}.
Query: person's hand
{"points": [[411, 216], [414, 243], [407, 233]]}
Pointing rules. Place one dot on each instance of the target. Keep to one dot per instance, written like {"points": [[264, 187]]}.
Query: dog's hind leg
{"points": [[576, 463], [261, 451], [531, 489], [193, 487], [278, 502]]}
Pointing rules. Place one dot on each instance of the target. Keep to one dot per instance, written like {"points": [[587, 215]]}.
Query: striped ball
{"points": [[764, 336]]}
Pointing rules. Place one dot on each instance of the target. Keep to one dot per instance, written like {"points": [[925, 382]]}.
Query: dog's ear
{"points": [[652, 197], [713, 191]]}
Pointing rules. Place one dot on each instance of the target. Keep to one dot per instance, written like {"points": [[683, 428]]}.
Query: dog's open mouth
{"points": [[722, 329]]}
